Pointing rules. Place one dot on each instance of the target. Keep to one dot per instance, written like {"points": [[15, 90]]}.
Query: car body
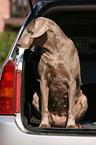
{"points": [[77, 19]]}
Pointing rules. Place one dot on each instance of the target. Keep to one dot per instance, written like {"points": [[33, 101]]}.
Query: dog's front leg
{"points": [[45, 93], [71, 112]]}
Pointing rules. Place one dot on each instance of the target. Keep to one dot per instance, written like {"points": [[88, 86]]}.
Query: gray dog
{"points": [[63, 103]]}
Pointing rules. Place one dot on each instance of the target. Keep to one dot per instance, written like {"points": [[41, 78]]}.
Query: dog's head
{"points": [[35, 29]]}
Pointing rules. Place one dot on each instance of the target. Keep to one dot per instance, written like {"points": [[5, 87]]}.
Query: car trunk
{"points": [[79, 24]]}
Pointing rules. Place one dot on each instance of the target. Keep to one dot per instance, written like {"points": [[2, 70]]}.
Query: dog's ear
{"points": [[37, 27], [34, 30]]}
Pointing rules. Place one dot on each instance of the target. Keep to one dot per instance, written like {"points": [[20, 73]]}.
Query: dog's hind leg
{"points": [[81, 107]]}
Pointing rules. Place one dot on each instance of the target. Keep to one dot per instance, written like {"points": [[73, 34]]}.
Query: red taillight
{"points": [[7, 88], [18, 90]]}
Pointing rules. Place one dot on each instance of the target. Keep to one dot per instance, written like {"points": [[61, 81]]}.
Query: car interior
{"points": [[80, 26]]}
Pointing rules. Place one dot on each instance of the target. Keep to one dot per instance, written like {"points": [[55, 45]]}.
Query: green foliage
{"points": [[6, 41]]}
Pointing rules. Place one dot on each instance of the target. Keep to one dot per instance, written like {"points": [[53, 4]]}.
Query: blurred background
{"points": [[12, 16]]}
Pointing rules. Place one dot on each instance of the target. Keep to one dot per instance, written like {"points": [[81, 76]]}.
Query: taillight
{"points": [[18, 91], [7, 88]]}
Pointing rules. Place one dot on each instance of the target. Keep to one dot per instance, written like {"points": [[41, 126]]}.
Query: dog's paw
{"points": [[74, 126], [71, 126], [78, 126], [44, 125]]}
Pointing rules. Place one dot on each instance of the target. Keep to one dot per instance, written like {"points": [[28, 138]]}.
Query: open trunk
{"points": [[79, 24]]}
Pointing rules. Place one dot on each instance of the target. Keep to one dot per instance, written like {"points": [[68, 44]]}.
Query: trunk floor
{"points": [[88, 125], [85, 125]]}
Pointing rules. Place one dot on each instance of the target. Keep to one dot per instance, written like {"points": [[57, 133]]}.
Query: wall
{"points": [[4, 12]]}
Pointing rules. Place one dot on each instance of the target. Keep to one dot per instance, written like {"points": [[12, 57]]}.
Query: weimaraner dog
{"points": [[63, 102]]}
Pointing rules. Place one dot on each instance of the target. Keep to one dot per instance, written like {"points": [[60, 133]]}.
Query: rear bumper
{"points": [[11, 134]]}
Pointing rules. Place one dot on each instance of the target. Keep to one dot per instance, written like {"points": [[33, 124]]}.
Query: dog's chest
{"points": [[58, 98], [58, 105]]}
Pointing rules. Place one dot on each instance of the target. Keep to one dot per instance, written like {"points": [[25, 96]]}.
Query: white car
{"points": [[19, 80]]}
